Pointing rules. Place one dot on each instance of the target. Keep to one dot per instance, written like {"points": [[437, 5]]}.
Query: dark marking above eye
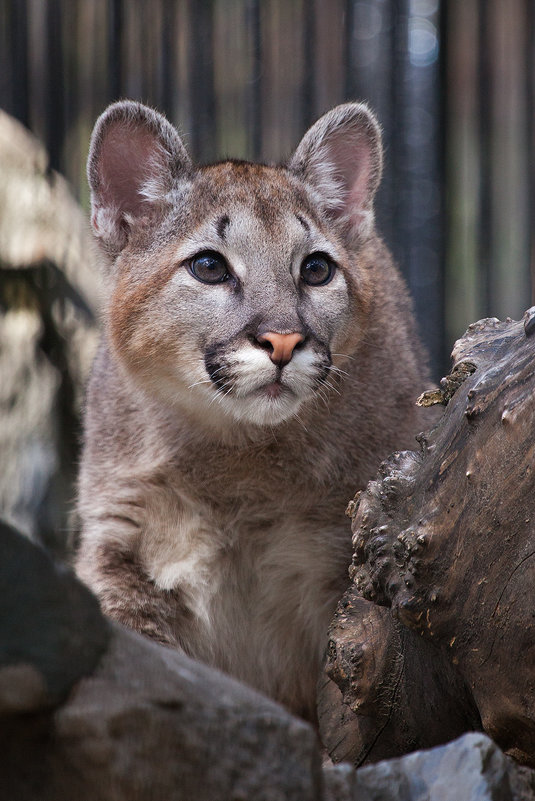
{"points": [[304, 223], [222, 225]]}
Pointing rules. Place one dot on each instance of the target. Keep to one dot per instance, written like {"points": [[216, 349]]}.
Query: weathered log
{"points": [[445, 537]]}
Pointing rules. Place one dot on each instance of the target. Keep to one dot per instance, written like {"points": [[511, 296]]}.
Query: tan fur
{"points": [[213, 483]]}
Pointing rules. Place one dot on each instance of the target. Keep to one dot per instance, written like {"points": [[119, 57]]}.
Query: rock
{"points": [[471, 768], [49, 297], [51, 629], [152, 723], [339, 782], [91, 710]]}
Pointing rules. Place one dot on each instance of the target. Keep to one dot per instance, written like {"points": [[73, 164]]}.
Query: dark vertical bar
{"points": [[395, 153], [70, 156], [202, 91], [370, 60], [530, 134], [114, 33], [15, 80], [443, 347], [485, 101], [309, 76], [147, 46], [399, 158], [143, 48], [6, 80], [253, 16], [416, 159], [349, 89], [167, 57], [383, 100], [55, 90]]}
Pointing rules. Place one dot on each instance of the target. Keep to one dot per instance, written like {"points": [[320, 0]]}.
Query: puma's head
{"points": [[235, 288]]}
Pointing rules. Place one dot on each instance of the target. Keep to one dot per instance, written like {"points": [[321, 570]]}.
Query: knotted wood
{"points": [[437, 633]]}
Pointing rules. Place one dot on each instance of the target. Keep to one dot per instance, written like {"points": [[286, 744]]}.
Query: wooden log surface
{"points": [[437, 633]]}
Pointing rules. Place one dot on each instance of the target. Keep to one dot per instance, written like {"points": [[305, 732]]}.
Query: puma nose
{"points": [[282, 345]]}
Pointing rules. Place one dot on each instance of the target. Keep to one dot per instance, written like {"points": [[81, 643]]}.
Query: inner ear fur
{"points": [[136, 158], [341, 157]]}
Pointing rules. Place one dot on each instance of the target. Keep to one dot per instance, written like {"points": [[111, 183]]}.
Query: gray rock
{"points": [[522, 782], [51, 629], [91, 710], [471, 768], [339, 782], [151, 723]]}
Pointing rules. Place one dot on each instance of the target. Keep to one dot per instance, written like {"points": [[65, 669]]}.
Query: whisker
{"points": [[303, 426], [332, 385], [215, 372], [337, 370], [327, 384], [220, 393], [202, 381], [323, 396], [274, 433]]}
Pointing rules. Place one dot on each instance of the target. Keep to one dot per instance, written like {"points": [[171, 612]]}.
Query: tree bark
{"points": [[437, 633]]}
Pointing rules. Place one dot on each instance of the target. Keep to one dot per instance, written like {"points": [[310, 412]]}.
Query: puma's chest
{"points": [[243, 560]]}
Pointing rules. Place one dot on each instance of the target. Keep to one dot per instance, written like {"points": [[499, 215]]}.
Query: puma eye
{"points": [[209, 267], [317, 269]]}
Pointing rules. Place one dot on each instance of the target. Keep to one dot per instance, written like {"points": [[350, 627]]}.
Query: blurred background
{"points": [[452, 82]]}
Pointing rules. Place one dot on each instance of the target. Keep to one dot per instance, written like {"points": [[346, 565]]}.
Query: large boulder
{"points": [[152, 723]]}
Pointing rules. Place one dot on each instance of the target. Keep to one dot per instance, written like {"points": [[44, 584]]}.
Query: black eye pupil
{"points": [[209, 268], [317, 270]]}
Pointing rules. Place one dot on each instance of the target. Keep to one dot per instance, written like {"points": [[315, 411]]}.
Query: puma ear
{"points": [[341, 156], [136, 158]]}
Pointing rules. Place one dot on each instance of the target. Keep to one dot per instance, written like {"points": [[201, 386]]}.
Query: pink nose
{"points": [[282, 345]]}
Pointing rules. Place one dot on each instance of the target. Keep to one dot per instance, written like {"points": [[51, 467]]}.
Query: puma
{"points": [[258, 361]]}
